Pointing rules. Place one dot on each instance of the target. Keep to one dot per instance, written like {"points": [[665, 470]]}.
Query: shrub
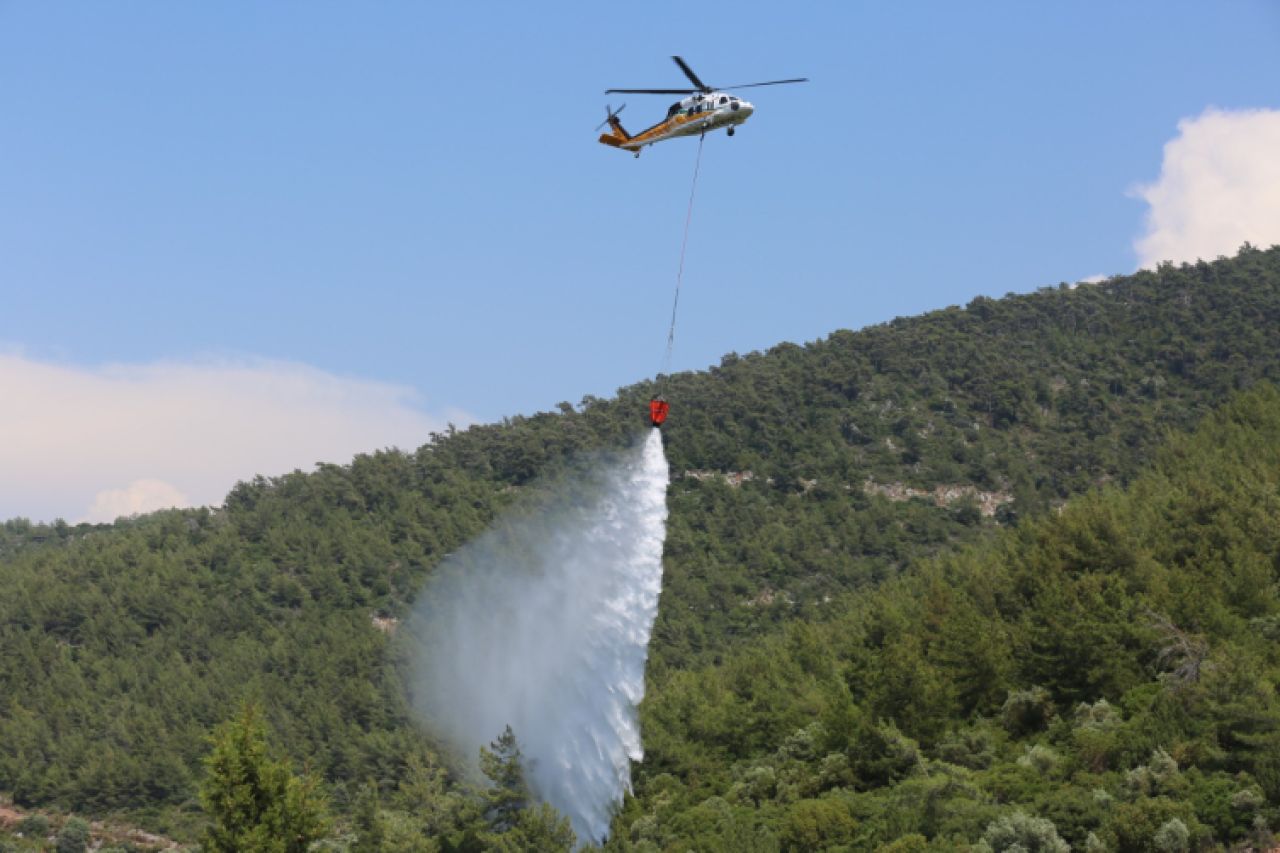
{"points": [[883, 755], [1026, 711], [761, 783], [803, 744], [974, 748], [34, 826], [1248, 799], [1101, 715], [1022, 832], [1160, 775], [817, 825], [1040, 758], [1173, 836], [1135, 826], [74, 836], [913, 843]]}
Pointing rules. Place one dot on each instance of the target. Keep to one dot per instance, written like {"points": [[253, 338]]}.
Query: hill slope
{"points": [[1111, 669], [792, 468]]}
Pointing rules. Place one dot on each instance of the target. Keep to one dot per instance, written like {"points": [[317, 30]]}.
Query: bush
{"points": [[1160, 775], [817, 825], [1173, 836], [34, 826], [1101, 715], [974, 748], [1022, 832], [1027, 711], [1040, 758], [882, 755], [1248, 799], [761, 783], [74, 836], [1135, 826]]}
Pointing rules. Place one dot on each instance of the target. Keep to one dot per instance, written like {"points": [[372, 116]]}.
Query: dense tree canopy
{"points": [[871, 604], [1089, 677]]}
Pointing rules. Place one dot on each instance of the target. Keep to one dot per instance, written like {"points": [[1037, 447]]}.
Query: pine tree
{"points": [[370, 836], [254, 802], [513, 821], [501, 763]]}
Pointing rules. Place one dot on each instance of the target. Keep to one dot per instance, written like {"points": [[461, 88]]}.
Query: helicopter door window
{"points": [[723, 100]]}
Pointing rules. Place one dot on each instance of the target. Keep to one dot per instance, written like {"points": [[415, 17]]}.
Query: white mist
{"points": [[543, 624]]}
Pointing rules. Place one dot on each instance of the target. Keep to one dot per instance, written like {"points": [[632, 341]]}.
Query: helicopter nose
{"points": [[746, 109]]}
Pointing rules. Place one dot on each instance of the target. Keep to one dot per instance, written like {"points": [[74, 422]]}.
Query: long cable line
{"points": [[684, 245]]}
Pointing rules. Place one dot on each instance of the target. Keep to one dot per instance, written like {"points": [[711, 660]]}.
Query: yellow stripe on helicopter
{"points": [[705, 108]]}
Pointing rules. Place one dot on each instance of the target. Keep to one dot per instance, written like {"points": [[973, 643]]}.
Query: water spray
{"points": [[543, 624]]}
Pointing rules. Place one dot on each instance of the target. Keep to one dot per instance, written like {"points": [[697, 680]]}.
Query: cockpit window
{"points": [[675, 108], [723, 100]]}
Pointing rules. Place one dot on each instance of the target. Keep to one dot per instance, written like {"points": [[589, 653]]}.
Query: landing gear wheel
{"points": [[730, 131]]}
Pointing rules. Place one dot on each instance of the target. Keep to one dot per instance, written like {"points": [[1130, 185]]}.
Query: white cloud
{"points": [[92, 443], [138, 497], [1219, 187]]}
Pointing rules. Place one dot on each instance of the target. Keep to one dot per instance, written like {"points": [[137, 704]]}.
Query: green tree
{"points": [[541, 827], [73, 837], [515, 823], [817, 825], [255, 803], [509, 794], [370, 834]]}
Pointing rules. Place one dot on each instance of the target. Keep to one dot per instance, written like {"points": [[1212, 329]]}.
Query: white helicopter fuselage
{"points": [[691, 116], [702, 113], [704, 109]]}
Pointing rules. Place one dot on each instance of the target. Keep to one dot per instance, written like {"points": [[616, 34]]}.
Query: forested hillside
{"points": [[804, 478], [1105, 677]]}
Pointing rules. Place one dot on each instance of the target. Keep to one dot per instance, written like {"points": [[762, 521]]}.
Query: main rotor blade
{"points": [[770, 83], [651, 91], [693, 78]]}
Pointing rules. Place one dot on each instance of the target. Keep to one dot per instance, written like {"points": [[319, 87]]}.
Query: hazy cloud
{"points": [[1219, 186], [93, 443], [138, 497]]}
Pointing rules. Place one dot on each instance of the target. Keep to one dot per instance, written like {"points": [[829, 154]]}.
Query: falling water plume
{"points": [[543, 624]]}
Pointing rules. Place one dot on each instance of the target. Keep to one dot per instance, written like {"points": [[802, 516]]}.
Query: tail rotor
{"points": [[612, 115]]}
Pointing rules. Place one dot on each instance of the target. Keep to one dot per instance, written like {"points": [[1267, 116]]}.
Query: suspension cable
{"points": [[684, 244]]}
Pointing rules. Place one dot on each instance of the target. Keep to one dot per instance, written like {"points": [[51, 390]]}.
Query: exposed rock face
{"points": [[733, 478], [944, 495]]}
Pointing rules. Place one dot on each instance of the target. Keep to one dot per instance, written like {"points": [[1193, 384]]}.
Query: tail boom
{"points": [[617, 135]]}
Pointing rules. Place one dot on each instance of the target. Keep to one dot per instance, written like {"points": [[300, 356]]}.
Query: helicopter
{"points": [[705, 109]]}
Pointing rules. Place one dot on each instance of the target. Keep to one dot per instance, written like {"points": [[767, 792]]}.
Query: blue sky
{"points": [[411, 194]]}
